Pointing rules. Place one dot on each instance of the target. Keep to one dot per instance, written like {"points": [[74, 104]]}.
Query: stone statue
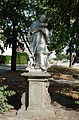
{"points": [[38, 37]]}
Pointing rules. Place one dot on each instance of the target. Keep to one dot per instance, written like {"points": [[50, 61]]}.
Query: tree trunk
{"points": [[13, 58], [14, 46], [70, 47]]}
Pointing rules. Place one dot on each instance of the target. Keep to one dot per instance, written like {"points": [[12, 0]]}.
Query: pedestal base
{"points": [[38, 102], [37, 115]]}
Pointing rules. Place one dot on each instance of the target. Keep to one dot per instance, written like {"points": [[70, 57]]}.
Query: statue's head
{"points": [[42, 18]]}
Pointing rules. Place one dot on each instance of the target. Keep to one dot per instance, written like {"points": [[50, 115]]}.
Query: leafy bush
{"points": [[8, 59], [2, 59], [21, 58], [5, 59], [77, 101], [4, 93], [61, 56]]}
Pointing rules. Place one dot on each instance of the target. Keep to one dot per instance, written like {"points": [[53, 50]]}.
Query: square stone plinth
{"points": [[37, 104]]}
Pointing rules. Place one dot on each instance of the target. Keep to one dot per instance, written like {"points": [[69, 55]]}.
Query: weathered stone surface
{"points": [[36, 74], [39, 102]]}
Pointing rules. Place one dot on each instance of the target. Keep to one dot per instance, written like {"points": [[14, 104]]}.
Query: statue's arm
{"points": [[42, 32], [39, 30]]}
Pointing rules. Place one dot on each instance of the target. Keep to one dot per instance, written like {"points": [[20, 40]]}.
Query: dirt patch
{"points": [[61, 72]]}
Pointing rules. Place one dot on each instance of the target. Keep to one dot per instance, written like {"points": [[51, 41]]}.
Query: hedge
{"points": [[20, 59]]}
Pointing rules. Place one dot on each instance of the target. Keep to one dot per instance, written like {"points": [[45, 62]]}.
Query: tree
{"points": [[14, 21], [63, 18]]}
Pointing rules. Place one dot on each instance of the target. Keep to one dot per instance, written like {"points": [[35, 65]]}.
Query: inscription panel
{"points": [[35, 94]]}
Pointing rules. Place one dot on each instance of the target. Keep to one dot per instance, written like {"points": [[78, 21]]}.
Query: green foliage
{"points": [[4, 93], [15, 21], [8, 59], [61, 56], [21, 58], [77, 101], [62, 17], [2, 59]]}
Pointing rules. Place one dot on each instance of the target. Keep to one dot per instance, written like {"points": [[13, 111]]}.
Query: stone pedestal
{"points": [[37, 102]]}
